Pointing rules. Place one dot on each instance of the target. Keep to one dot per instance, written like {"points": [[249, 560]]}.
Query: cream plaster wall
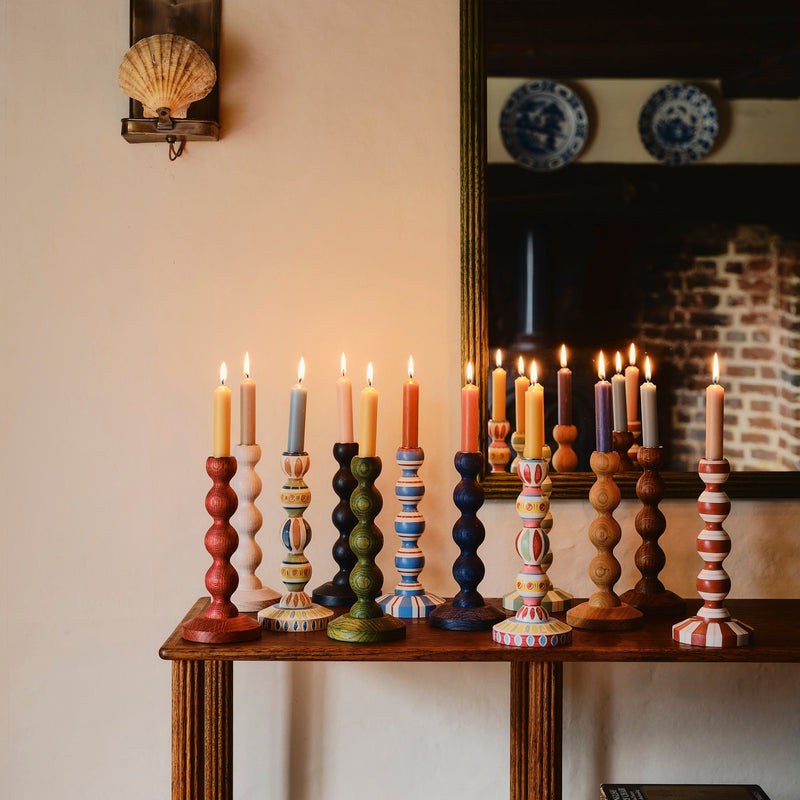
{"points": [[325, 220]]}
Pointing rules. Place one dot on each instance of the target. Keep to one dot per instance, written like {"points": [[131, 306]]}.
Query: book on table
{"points": [[677, 791]]}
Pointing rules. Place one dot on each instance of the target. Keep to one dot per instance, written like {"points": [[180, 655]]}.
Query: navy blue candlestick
{"points": [[467, 611]]}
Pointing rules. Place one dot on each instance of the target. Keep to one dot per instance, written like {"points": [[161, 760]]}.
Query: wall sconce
{"points": [[170, 73]]}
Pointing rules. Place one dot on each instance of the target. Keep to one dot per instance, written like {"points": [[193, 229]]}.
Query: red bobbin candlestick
{"points": [[221, 622]]}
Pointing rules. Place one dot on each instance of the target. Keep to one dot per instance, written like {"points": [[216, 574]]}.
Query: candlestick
{"points": [[715, 415], [344, 403], [298, 398], [532, 625], [222, 417], [467, 611], [621, 442], [499, 452], [409, 599], [498, 389], [649, 408], [564, 390], [251, 594], [337, 592], [618, 404], [368, 420], [632, 402], [602, 409], [604, 611], [294, 612], [649, 594], [469, 414], [518, 445], [247, 406], [534, 417], [221, 622], [366, 622], [410, 437], [565, 459], [713, 626]]}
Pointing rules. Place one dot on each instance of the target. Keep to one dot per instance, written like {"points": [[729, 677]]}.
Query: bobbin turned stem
{"points": [[565, 459], [499, 451]]}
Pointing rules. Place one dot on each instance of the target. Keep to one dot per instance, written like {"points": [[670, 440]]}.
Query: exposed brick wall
{"points": [[738, 295]]}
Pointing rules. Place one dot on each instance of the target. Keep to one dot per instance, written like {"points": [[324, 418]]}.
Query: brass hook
{"points": [[173, 153]]}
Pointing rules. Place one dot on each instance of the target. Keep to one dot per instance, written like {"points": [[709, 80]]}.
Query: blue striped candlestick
{"points": [[409, 599]]}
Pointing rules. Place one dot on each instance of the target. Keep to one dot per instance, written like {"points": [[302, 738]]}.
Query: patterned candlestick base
{"points": [[251, 595], [409, 600], [467, 611], [565, 459], [622, 441], [649, 594], [294, 612], [518, 445], [532, 625], [604, 611], [499, 451], [221, 622], [366, 622], [337, 592], [713, 625], [635, 427]]}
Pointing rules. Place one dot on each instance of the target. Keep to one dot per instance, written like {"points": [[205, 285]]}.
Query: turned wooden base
{"points": [[712, 633], [221, 631], [663, 604], [456, 618], [295, 620], [598, 618], [379, 629], [332, 595]]}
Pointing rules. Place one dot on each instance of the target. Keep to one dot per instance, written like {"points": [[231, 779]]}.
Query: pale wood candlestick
{"points": [[518, 445], [565, 459], [622, 441], [251, 595], [604, 611], [221, 622], [713, 626], [649, 594], [635, 427], [294, 612], [499, 451]]}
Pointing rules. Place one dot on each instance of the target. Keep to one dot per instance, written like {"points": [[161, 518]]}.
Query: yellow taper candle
{"points": [[521, 385], [534, 417], [368, 421], [222, 416], [498, 389]]}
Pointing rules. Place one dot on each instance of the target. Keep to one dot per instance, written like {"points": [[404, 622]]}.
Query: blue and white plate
{"points": [[678, 124], [543, 125]]}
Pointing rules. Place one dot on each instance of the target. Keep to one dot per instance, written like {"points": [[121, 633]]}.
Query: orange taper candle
{"points": [[469, 414], [410, 436]]}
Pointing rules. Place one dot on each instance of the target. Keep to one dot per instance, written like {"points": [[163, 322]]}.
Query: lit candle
{"points": [[602, 409], [649, 408], [521, 385], [469, 414], [618, 397], [247, 406], [498, 389], [297, 412], [368, 420], [715, 415], [410, 409], [534, 417], [564, 390], [344, 401], [632, 385], [222, 416]]}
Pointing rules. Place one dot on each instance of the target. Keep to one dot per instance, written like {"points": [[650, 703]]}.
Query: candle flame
{"points": [[601, 367], [223, 373], [521, 366], [247, 365], [534, 373], [469, 372], [563, 355], [619, 362], [410, 367], [632, 355], [301, 370], [369, 374], [715, 370], [344, 366], [498, 358], [647, 373]]}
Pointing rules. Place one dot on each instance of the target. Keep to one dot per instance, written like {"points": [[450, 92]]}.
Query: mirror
{"points": [[539, 214]]}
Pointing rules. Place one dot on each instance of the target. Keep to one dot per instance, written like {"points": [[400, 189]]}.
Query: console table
{"points": [[202, 684]]}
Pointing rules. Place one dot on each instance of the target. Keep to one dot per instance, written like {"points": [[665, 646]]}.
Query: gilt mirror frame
{"points": [[474, 323]]}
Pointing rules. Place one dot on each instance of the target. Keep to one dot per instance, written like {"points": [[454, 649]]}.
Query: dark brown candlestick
{"points": [[622, 443], [221, 621]]}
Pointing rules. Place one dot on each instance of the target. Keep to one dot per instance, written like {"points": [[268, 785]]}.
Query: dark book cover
{"points": [[663, 791]]}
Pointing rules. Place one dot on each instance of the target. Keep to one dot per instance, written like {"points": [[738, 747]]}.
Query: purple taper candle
{"points": [[602, 409]]}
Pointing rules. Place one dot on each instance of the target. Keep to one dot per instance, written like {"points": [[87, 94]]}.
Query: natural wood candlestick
{"points": [[467, 611], [649, 594], [635, 427], [221, 622], [518, 445], [251, 595], [622, 441], [294, 612], [565, 459], [337, 592], [499, 451], [604, 611], [366, 622], [713, 625]]}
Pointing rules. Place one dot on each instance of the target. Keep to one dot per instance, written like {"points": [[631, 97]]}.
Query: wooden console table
{"points": [[202, 684]]}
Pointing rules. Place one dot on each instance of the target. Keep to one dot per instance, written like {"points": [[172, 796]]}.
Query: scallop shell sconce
{"points": [[166, 73]]}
